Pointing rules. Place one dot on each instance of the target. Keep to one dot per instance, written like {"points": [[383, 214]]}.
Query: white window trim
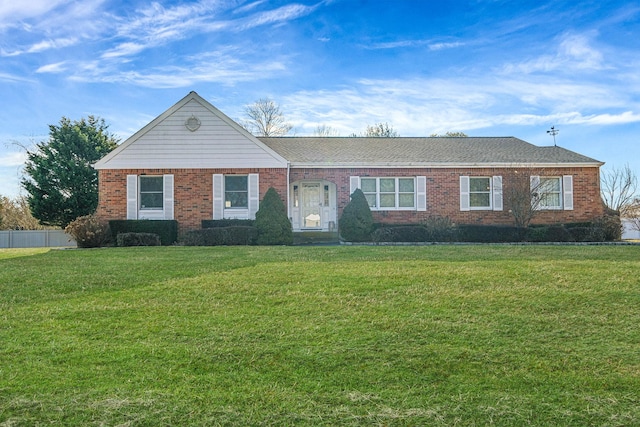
{"points": [[156, 209], [565, 192], [253, 189], [133, 199], [495, 194], [396, 193]]}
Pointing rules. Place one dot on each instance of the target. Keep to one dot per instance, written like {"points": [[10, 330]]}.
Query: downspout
{"points": [[289, 193]]}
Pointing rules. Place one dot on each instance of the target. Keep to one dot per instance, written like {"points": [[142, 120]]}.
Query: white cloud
{"points": [[210, 68], [123, 49], [55, 68], [12, 12], [573, 53], [422, 106], [431, 45], [15, 158]]}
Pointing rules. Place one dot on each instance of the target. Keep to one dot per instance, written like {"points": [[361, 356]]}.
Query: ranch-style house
{"points": [[194, 163]]}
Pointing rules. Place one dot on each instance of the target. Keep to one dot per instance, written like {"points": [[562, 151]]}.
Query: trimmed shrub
{"points": [[137, 239], [439, 229], [219, 236], [356, 222], [580, 234], [242, 235], [205, 237], [274, 227], [607, 228], [489, 233], [166, 229], [213, 223], [403, 233], [88, 231]]}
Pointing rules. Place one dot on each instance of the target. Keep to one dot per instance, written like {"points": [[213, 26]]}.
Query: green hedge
{"points": [[215, 223], [601, 230], [219, 236], [138, 239], [167, 230]]}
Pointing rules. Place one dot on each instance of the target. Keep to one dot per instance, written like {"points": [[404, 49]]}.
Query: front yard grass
{"points": [[434, 335]]}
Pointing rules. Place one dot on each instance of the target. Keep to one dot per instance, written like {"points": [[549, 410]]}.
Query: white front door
{"points": [[312, 198]]}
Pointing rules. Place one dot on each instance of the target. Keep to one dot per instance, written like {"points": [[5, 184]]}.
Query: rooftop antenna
{"points": [[553, 132]]}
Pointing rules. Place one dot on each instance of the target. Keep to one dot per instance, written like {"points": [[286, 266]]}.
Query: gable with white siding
{"points": [[192, 134]]}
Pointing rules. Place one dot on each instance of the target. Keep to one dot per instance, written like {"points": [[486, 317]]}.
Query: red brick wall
{"points": [[443, 193], [193, 192]]}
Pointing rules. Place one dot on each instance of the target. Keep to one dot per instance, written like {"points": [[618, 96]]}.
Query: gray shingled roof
{"points": [[346, 151]]}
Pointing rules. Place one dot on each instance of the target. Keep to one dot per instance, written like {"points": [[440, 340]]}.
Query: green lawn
{"points": [[389, 336]]}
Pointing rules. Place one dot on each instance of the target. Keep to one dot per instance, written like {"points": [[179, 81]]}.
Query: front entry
{"points": [[311, 206]]}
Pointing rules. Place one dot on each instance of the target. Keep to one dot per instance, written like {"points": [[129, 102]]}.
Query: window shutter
{"points": [[218, 196], [567, 190], [354, 183], [465, 202], [497, 193], [132, 196], [421, 193], [534, 188], [254, 194], [167, 189]]}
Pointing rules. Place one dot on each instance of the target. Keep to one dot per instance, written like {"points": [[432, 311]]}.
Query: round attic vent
{"points": [[192, 123]]}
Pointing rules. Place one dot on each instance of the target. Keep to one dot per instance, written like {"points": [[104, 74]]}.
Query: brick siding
{"points": [[193, 192]]}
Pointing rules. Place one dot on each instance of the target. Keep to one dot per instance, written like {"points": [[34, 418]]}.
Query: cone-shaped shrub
{"points": [[274, 227], [356, 222]]}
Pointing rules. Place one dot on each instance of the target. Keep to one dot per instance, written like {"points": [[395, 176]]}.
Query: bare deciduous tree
{"points": [[16, 215], [522, 196], [383, 130], [618, 188], [325, 130], [264, 118], [449, 135]]}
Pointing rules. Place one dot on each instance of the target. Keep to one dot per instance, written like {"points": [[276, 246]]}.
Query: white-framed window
{"points": [[150, 197], [481, 193], [552, 192], [236, 191], [151, 190], [389, 193], [235, 196]]}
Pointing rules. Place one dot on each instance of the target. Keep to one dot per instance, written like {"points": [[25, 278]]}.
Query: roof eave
{"points": [[441, 165]]}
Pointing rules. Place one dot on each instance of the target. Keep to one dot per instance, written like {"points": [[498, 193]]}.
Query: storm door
{"points": [[312, 198]]}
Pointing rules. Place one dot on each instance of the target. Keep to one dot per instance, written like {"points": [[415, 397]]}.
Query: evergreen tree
{"points": [[59, 177], [356, 222], [274, 227]]}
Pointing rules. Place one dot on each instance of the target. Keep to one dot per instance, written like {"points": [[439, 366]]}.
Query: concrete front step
{"points": [[314, 237]]}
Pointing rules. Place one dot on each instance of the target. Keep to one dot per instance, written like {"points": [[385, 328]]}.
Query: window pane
{"points": [[387, 200], [371, 198], [479, 184], [406, 200], [151, 200], [406, 185], [550, 184], [150, 183], [387, 185], [479, 200], [236, 199], [368, 185], [235, 191], [235, 183], [550, 200]]}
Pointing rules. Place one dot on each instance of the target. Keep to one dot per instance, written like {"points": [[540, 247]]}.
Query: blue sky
{"points": [[487, 68]]}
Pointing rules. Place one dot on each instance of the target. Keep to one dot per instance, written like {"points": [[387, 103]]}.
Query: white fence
{"points": [[35, 239], [629, 230]]}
